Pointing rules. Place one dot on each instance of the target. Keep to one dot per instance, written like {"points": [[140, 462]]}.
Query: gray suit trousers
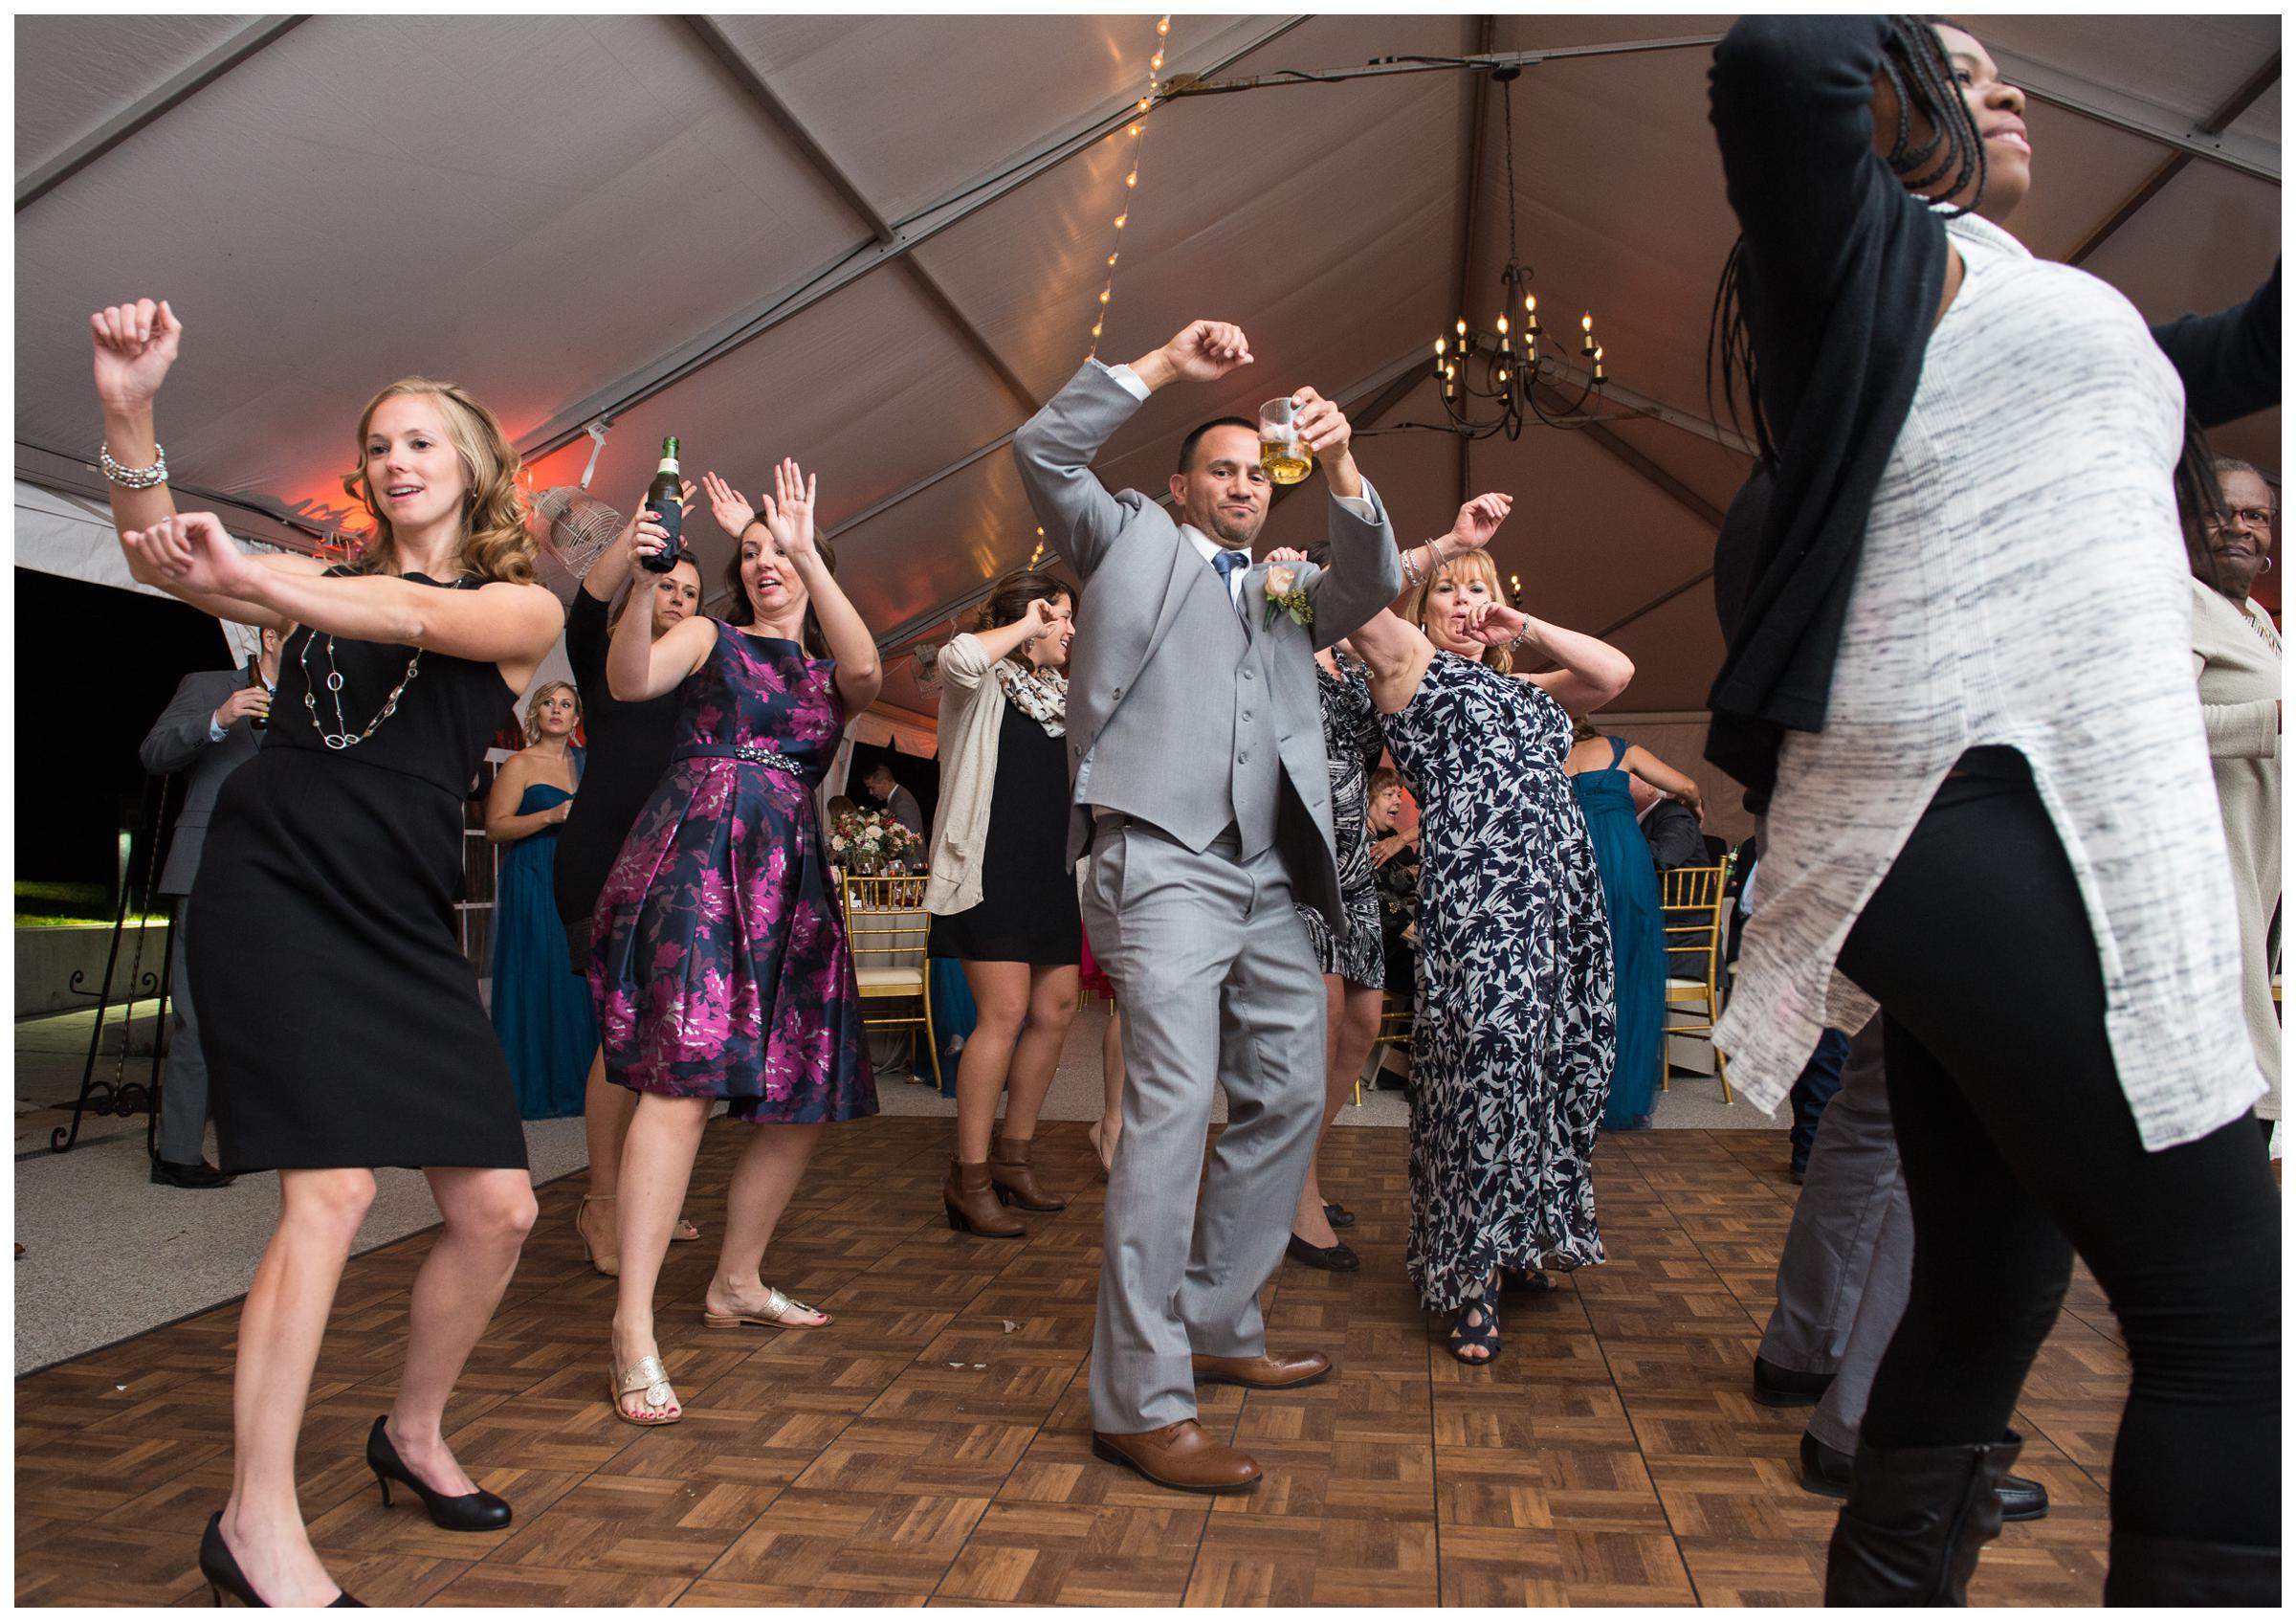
{"points": [[1214, 972], [1849, 1261], [184, 1083]]}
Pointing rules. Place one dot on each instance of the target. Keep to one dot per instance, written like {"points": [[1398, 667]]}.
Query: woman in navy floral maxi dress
{"points": [[719, 959], [1514, 1041]]}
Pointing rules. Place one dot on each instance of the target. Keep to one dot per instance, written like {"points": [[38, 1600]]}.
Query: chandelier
{"points": [[1489, 385]]}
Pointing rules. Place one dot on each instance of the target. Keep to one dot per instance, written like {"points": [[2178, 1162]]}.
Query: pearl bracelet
{"points": [[134, 478]]}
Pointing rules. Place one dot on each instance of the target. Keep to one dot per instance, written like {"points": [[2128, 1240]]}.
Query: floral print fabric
{"points": [[720, 964], [1514, 1035]]}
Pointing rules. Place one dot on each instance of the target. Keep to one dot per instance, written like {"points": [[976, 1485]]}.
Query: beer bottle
{"points": [[662, 501], [254, 679]]}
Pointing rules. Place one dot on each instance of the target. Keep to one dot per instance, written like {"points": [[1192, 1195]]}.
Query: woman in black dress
{"points": [[629, 747], [1003, 897], [339, 1016]]}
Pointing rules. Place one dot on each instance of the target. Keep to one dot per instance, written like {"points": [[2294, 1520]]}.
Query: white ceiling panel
{"points": [[77, 71], [914, 108]]}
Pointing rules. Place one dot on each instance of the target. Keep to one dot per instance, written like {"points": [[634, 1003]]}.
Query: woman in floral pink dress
{"points": [[720, 964]]}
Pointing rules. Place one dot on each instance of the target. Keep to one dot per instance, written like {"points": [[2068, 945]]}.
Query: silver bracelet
{"points": [[1514, 643], [134, 478], [1412, 573]]}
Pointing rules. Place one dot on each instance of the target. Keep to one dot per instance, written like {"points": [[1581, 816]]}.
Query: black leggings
{"points": [[2016, 1138]]}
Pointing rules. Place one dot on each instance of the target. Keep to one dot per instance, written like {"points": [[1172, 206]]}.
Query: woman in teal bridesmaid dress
{"points": [[1599, 768], [541, 1015]]}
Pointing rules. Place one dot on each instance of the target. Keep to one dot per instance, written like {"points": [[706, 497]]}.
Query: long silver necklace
{"points": [[342, 737]]}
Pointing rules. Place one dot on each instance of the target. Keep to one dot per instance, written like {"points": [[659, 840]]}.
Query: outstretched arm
{"points": [[1365, 576], [500, 623], [788, 515], [1056, 448], [1664, 778], [1592, 672]]}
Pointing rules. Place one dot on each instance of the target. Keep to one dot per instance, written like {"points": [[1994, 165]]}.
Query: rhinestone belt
{"points": [[750, 752]]}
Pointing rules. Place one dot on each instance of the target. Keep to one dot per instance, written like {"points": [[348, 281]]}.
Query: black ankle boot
{"points": [[1915, 1520], [2173, 1571]]}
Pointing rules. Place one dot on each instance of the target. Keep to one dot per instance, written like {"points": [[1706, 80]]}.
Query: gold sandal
{"points": [[648, 1376], [778, 1308]]}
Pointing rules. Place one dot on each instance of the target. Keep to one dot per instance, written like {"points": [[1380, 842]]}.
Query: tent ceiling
{"points": [[874, 220]]}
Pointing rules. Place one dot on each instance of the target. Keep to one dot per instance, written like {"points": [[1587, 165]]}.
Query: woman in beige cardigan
{"points": [[2236, 653], [1003, 898]]}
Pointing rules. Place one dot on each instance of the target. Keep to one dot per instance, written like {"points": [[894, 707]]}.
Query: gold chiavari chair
{"points": [[886, 927], [1697, 903]]}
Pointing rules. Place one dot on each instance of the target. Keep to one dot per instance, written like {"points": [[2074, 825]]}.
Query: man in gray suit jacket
{"points": [[1201, 792], [209, 730]]}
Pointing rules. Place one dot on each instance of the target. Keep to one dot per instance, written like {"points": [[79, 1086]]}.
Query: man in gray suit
{"points": [[209, 729], [1199, 790]]}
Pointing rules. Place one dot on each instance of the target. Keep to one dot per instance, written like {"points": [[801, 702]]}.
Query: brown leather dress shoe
{"points": [[973, 1205], [1262, 1373], [1008, 1168], [1181, 1456]]}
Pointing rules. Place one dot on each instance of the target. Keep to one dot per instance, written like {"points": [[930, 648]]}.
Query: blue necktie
{"points": [[1227, 563]]}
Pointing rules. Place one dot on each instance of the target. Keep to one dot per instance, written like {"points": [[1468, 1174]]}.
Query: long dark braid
{"points": [[1919, 70], [2200, 502]]}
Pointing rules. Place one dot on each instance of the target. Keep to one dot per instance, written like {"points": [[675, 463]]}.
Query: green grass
{"points": [[47, 904]]}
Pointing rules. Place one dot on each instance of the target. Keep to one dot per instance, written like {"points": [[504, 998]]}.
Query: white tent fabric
{"points": [[876, 243]]}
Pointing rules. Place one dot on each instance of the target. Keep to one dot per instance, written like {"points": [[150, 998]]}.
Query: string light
{"points": [[1137, 131]]}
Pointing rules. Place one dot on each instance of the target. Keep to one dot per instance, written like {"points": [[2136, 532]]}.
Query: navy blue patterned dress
{"points": [[1352, 744], [1514, 1037], [720, 964]]}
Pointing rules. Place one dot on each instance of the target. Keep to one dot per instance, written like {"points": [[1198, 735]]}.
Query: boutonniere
{"points": [[1286, 595]]}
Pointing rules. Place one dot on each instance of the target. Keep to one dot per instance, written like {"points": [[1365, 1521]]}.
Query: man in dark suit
{"points": [[208, 731]]}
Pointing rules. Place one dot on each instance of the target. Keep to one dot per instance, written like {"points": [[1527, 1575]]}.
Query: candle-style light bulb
{"points": [[1440, 344], [1461, 329]]}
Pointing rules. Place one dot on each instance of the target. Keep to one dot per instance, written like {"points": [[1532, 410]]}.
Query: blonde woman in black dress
{"points": [[339, 1016]]}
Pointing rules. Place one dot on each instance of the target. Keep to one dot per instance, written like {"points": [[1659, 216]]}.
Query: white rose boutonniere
{"points": [[1286, 595]]}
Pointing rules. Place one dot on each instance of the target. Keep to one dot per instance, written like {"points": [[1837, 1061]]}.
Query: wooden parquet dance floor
{"points": [[931, 1445]]}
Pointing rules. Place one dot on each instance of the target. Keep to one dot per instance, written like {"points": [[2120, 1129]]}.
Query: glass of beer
{"points": [[1284, 456]]}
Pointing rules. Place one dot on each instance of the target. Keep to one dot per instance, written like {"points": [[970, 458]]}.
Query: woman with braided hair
{"points": [[1990, 807]]}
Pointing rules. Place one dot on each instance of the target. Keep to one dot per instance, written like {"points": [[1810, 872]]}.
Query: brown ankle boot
{"points": [[974, 1207], [1008, 1168]]}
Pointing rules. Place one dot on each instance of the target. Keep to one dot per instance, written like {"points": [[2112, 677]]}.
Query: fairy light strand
{"points": [[1137, 132]]}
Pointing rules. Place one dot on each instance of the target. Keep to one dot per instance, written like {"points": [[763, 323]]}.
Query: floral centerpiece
{"points": [[868, 842]]}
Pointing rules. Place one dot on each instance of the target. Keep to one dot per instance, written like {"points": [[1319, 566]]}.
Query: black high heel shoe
{"points": [[472, 1512], [222, 1571]]}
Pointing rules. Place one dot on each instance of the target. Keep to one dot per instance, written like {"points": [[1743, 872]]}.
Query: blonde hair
{"points": [[542, 697], [496, 543], [1478, 564]]}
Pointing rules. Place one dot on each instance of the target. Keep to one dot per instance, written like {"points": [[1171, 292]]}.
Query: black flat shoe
{"points": [[1338, 1214], [1825, 1470], [223, 1574], [1787, 1387], [1332, 1258], [191, 1174], [472, 1512]]}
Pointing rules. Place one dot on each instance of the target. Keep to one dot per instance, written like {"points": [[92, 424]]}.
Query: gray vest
{"points": [[1204, 699]]}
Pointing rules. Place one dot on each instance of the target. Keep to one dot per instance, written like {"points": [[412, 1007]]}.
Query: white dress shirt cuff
{"points": [[1124, 375], [214, 732]]}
